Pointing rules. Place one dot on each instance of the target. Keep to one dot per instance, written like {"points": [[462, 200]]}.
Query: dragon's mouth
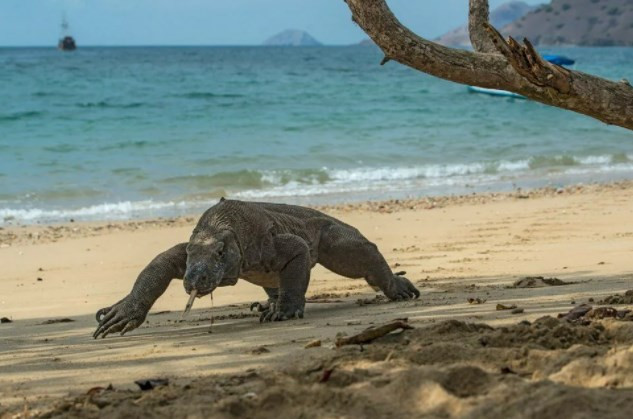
{"points": [[202, 293]]}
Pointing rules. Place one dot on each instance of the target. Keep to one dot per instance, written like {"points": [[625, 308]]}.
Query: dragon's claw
{"points": [[122, 317], [281, 312], [402, 289]]}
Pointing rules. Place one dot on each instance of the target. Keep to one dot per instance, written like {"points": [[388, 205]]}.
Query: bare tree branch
{"points": [[514, 67], [477, 19], [529, 64]]}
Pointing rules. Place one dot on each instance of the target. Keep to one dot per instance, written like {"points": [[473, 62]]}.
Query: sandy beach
{"points": [[454, 249]]}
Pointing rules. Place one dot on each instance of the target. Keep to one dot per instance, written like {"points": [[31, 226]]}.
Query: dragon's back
{"points": [[250, 219]]}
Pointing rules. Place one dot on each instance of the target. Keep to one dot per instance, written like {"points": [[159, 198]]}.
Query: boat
{"points": [[66, 41], [558, 59], [494, 92], [552, 58]]}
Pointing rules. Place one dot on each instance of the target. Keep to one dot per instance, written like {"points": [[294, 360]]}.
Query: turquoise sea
{"points": [[111, 133]]}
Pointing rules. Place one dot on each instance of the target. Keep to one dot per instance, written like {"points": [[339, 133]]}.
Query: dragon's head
{"points": [[211, 257]]}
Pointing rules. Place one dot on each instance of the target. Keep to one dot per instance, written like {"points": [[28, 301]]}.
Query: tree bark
{"points": [[478, 15], [497, 64]]}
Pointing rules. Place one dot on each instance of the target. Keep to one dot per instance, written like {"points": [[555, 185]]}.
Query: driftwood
{"points": [[496, 63], [373, 333], [586, 313]]}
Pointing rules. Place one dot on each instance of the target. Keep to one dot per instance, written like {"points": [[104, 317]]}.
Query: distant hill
{"points": [[292, 38], [366, 42], [499, 17], [577, 22]]}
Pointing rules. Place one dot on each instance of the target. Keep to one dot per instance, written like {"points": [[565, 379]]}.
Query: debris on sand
{"points": [[539, 282], [506, 307], [313, 344], [260, 350], [55, 321], [626, 298], [607, 312], [585, 313], [517, 310], [329, 297], [546, 332], [476, 300], [373, 333], [6, 320], [151, 383], [228, 316], [96, 390], [325, 377], [378, 299], [575, 313]]}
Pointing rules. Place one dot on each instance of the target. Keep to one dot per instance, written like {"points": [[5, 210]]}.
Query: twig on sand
{"points": [[373, 333]]}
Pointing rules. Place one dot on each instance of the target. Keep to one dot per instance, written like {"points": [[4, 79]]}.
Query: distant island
{"points": [[499, 17], [560, 22], [577, 22], [292, 38], [366, 42]]}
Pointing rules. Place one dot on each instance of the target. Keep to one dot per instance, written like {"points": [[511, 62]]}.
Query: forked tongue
{"points": [[192, 297]]}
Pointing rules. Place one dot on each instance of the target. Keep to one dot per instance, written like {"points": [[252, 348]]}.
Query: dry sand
{"points": [[451, 364]]}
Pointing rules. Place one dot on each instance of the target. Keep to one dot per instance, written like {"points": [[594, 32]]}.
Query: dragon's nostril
{"points": [[194, 275]]}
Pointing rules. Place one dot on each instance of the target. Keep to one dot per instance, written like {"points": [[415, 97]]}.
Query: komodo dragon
{"points": [[271, 245]]}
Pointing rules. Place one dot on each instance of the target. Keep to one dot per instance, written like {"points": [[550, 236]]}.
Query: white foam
{"points": [[123, 209], [594, 160], [374, 181], [364, 179], [514, 166]]}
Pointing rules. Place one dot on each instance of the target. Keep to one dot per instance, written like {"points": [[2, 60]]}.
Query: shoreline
{"points": [[12, 234]]}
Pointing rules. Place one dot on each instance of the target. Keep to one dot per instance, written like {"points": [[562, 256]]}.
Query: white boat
{"points": [[495, 92]]}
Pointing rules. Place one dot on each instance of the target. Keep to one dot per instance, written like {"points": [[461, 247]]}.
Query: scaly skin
{"points": [[271, 245]]}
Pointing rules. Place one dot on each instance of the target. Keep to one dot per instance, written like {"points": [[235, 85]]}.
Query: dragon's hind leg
{"points": [[345, 251]]}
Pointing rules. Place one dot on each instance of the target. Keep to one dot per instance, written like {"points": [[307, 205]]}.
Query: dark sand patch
{"points": [[546, 368], [626, 298], [539, 282], [55, 321]]}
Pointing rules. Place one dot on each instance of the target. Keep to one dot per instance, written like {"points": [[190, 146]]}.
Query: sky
{"points": [[209, 22]]}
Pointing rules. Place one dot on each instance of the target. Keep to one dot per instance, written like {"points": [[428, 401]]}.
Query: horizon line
{"points": [[182, 45]]}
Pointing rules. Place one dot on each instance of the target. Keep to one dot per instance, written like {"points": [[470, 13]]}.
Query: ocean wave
{"points": [[118, 210], [196, 192], [17, 116], [105, 104], [61, 148], [249, 179], [129, 144], [363, 179], [210, 95]]}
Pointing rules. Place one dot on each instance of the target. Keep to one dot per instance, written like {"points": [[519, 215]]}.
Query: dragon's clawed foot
{"points": [[260, 307], [122, 317], [401, 288], [277, 312]]}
